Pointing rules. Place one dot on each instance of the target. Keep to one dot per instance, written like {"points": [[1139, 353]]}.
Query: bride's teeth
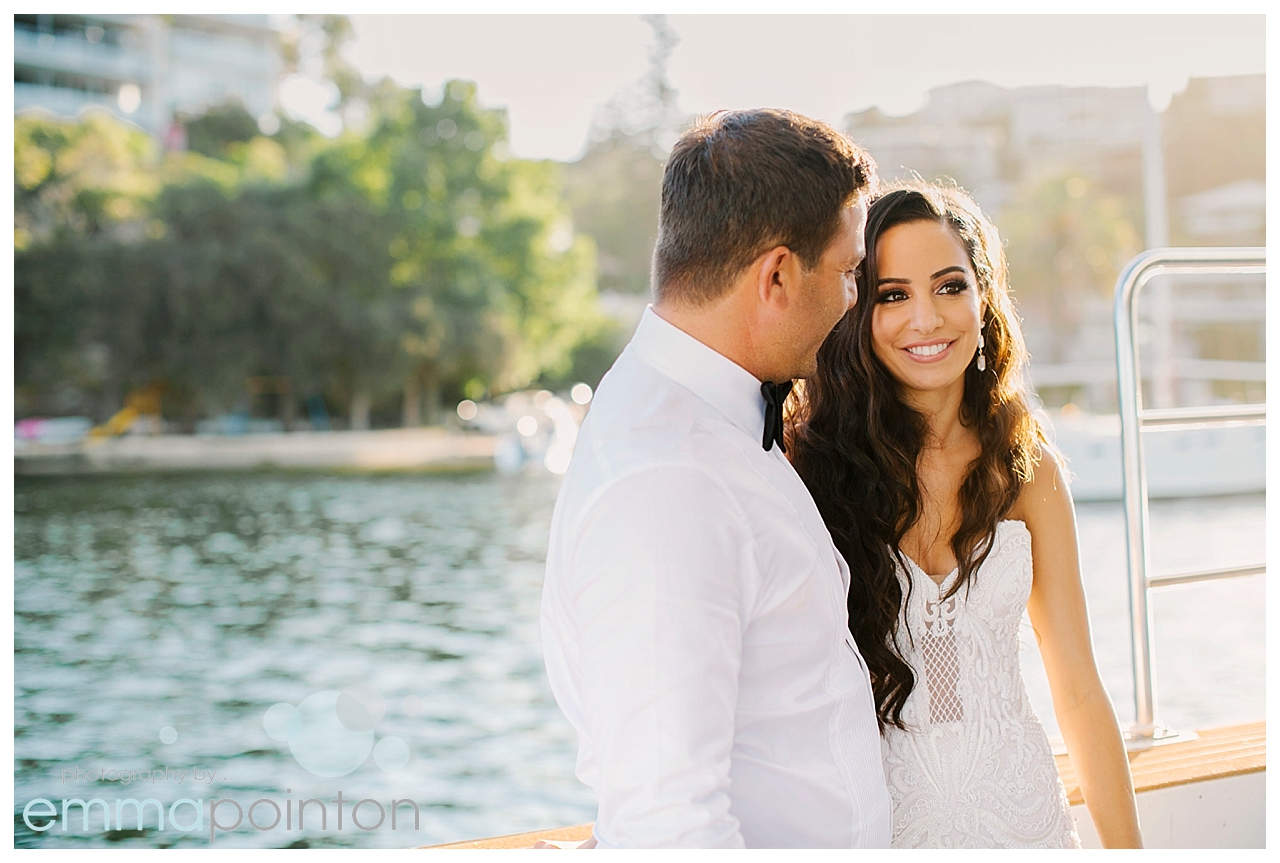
{"points": [[930, 350]]}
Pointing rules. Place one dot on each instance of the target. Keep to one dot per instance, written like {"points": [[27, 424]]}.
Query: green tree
{"points": [[410, 256], [212, 132], [50, 302], [81, 178], [497, 288], [266, 281], [271, 282]]}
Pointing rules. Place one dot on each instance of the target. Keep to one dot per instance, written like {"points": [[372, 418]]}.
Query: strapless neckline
{"points": [[946, 579]]}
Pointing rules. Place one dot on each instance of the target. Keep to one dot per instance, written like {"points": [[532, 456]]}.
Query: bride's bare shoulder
{"points": [[1045, 500]]}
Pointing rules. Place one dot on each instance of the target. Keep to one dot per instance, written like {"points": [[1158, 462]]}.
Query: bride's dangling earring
{"points": [[982, 354]]}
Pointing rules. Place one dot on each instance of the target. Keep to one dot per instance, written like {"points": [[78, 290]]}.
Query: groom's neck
{"points": [[730, 328]]}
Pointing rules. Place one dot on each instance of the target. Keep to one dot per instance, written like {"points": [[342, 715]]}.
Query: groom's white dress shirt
{"points": [[694, 621]]}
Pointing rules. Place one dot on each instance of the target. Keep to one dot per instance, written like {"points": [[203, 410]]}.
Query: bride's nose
{"points": [[924, 314]]}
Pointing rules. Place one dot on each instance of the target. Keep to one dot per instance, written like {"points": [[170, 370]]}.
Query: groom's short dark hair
{"points": [[742, 182]]}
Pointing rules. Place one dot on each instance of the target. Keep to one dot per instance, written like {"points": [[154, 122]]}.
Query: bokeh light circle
{"points": [[322, 744], [360, 707], [280, 721], [391, 754]]}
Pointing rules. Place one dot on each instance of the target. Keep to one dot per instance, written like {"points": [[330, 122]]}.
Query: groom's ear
{"points": [[777, 277]]}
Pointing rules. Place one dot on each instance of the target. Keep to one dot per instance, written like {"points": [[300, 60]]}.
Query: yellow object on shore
{"points": [[117, 425], [138, 403]]}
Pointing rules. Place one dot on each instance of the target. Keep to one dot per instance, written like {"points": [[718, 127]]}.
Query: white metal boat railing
{"points": [[1133, 420]]}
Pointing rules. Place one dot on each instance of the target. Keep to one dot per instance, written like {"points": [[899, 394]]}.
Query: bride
{"points": [[939, 486]]}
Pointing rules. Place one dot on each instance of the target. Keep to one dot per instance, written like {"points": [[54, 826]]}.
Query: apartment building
{"points": [[146, 68]]}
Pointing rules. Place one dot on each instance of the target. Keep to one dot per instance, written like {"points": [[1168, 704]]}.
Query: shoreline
{"points": [[382, 451]]}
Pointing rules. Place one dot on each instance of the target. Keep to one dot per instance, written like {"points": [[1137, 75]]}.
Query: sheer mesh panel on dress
{"points": [[941, 662]]}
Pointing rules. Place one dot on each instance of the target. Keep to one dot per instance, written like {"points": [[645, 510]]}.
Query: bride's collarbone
{"points": [[940, 472]]}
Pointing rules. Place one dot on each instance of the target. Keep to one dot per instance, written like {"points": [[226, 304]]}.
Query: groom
{"points": [[694, 614]]}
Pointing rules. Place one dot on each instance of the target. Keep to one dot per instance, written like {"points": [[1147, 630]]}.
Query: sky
{"points": [[552, 72]]}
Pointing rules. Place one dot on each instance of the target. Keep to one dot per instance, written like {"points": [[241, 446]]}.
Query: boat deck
{"points": [[1231, 750], [1217, 753]]}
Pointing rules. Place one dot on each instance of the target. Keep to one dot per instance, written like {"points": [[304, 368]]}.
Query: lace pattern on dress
{"points": [[974, 768]]}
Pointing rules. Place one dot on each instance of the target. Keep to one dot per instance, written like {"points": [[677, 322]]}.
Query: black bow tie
{"points": [[774, 396]]}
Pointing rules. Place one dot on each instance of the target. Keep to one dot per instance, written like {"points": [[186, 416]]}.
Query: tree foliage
{"points": [[409, 260], [79, 179], [221, 126]]}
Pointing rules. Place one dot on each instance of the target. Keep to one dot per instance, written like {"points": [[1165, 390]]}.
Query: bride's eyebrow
{"points": [[891, 281]]}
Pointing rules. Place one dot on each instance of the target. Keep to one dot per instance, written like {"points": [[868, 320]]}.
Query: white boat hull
{"points": [[1189, 463], [1230, 812]]}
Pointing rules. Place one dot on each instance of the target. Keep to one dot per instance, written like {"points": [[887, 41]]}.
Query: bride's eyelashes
{"points": [[948, 288]]}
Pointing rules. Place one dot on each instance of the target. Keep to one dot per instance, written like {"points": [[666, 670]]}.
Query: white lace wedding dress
{"points": [[974, 768]]}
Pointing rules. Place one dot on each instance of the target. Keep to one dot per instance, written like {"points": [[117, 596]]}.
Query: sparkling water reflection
{"points": [[152, 606], [199, 602]]}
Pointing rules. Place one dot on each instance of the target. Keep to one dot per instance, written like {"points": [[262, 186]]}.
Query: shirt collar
{"points": [[710, 375]]}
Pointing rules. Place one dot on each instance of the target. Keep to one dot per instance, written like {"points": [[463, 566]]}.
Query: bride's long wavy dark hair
{"points": [[856, 443]]}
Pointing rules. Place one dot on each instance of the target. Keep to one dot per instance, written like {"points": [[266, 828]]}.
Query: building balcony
{"points": [[79, 56]]}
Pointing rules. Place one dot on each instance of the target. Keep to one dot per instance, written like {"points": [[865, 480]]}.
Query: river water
{"points": [[158, 619]]}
